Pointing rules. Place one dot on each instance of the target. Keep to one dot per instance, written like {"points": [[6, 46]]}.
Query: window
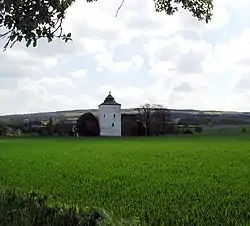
{"points": [[113, 124], [114, 115], [104, 116]]}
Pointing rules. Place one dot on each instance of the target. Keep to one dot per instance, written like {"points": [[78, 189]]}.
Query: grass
{"points": [[19, 208], [202, 180]]}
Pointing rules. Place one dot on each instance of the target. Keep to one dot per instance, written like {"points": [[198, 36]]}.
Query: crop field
{"points": [[201, 180]]}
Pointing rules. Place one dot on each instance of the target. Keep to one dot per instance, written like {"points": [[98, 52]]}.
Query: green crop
{"points": [[191, 180]]}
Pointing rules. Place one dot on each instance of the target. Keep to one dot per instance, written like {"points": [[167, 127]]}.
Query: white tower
{"points": [[110, 117]]}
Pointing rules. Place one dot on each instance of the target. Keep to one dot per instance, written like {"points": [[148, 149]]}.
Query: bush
{"points": [[198, 129], [170, 129], [188, 131], [43, 132], [243, 130], [88, 125], [3, 130], [31, 209]]}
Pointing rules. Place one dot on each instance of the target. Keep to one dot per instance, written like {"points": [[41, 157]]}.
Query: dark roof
{"points": [[110, 100]]}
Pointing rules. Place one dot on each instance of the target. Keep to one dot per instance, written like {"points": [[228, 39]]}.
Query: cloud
{"points": [[190, 63], [140, 55], [183, 88], [81, 73], [243, 84]]}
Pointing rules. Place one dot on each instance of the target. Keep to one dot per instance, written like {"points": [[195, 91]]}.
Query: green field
{"points": [[180, 180]]}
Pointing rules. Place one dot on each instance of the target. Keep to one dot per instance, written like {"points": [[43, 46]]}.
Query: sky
{"points": [[141, 56]]}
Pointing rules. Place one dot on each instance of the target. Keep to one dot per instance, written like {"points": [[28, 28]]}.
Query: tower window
{"points": [[113, 124], [114, 115]]}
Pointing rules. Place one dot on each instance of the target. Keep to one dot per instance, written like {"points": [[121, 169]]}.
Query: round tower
{"points": [[110, 117]]}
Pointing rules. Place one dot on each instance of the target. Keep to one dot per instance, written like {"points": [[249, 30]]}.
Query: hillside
{"points": [[188, 114]]}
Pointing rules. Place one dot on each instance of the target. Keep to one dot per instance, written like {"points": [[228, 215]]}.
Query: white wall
{"points": [[110, 120]]}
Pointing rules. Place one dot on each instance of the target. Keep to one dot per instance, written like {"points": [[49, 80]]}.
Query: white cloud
{"points": [[106, 60], [50, 62], [137, 61], [140, 55], [81, 73], [94, 45]]}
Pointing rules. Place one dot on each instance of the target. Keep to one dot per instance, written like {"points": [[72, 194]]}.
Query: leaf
{"points": [[28, 43], [19, 38], [49, 39], [12, 37], [67, 39], [34, 42]]}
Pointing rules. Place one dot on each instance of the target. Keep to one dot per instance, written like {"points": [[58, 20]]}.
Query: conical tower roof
{"points": [[110, 100]]}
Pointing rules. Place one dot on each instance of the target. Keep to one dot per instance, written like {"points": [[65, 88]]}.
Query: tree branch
{"points": [[119, 8]]}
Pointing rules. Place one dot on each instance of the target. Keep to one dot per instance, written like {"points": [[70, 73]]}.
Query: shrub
{"points": [[3, 130], [43, 132], [170, 128], [188, 131], [243, 130], [88, 125], [31, 209], [198, 129]]}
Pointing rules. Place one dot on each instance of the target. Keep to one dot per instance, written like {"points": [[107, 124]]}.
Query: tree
{"points": [[88, 125], [198, 129], [243, 130], [50, 126], [62, 128], [3, 130], [29, 20], [155, 118]]}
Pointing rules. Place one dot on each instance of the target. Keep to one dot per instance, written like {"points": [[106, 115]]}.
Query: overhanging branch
{"points": [[119, 8]]}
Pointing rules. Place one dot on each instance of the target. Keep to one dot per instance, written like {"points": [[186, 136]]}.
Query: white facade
{"points": [[110, 117]]}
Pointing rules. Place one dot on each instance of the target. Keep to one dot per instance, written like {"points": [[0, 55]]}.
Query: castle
{"points": [[110, 117]]}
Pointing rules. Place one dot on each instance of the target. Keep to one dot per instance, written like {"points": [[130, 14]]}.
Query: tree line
{"points": [[147, 120]]}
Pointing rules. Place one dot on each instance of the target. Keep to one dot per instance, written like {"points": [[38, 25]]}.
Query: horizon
{"points": [[89, 109]]}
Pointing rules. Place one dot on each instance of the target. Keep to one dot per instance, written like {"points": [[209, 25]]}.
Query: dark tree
{"points": [[88, 125], [161, 120], [50, 127], [3, 130], [198, 129], [156, 119], [62, 128], [141, 129], [137, 129], [30, 20], [144, 113]]}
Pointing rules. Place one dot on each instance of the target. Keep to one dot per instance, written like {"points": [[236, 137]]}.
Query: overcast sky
{"points": [[141, 57]]}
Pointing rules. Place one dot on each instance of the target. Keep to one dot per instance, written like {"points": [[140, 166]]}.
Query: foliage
{"points": [[43, 132], [181, 180], [198, 129], [88, 125], [155, 118], [243, 130], [50, 127], [28, 21], [29, 209], [140, 128], [187, 131], [62, 128], [200, 9], [3, 130], [136, 128]]}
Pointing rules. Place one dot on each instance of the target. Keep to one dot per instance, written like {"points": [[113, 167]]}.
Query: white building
{"points": [[110, 117]]}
